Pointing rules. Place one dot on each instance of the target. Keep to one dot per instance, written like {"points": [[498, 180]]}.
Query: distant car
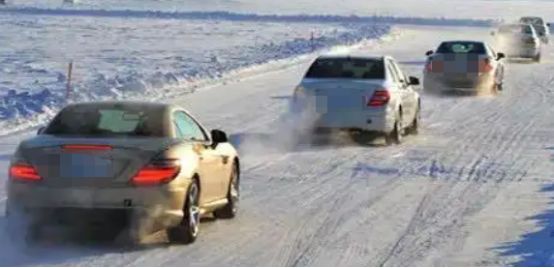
{"points": [[147, 166], [469, 67], [360, 94], [542, 28], [519, 41]]}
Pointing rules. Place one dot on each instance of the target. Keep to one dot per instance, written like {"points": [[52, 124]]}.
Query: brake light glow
{"points": [[156, 173], [380, 98], [86, 147], [24, 172], [434, 66], [485, 66]]}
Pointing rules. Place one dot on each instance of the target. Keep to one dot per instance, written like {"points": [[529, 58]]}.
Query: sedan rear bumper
{"points": [[440, 82], [381, 122], [524, 52]]}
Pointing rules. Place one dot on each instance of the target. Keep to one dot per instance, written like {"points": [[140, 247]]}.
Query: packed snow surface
{"points": [[475, 187]]}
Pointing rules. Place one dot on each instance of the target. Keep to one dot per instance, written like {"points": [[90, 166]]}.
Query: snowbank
{"points": [[230, 16], [187, 55]]}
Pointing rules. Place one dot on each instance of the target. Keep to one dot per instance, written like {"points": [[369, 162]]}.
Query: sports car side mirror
{"points": [[40, 130], [414, 81], [429, 53], [500, 56], [218, 137]]}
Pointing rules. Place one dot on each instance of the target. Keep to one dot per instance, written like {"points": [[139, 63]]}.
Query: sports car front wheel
{"points": [[230, 209]]}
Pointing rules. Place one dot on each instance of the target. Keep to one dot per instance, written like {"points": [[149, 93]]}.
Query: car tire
{"points": [[494, 89], [537, 58], [230, 210], [414, 127], [187, 231], [362, 138], [395, 136]]}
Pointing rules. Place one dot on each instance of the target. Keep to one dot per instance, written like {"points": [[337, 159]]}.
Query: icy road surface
{"points": [[472, 189]]}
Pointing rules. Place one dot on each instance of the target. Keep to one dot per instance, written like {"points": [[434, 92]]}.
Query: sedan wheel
{"points": [[395, 137], [414, 127], [230, 209], [187, 231]]}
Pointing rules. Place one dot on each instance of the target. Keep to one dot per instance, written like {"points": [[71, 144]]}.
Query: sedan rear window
{"points": [[532, 20], [516, 29], [108, 120], [352, 68], [541, 30], [461, 48]]}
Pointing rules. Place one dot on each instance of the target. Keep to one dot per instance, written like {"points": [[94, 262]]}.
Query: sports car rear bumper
{"points": [[154, 208]]}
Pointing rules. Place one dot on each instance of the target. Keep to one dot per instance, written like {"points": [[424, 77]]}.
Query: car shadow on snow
{"points": [[413, 62], [520, 61], [287, 142], [66, 244], [535, 248]]}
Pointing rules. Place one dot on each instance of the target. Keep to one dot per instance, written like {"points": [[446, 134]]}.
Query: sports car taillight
{"points": [[157, 172], [380, 98], [24, 172]]}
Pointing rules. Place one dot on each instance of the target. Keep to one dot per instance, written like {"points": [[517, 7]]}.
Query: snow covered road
{"points": [[472, 189]]}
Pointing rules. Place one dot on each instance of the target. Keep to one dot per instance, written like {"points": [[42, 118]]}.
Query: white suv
{"points": [[519, 40], [542, 28]]}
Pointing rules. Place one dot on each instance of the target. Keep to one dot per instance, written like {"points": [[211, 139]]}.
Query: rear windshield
{"points": [[353, 68], [108, 120], [541, 30], [462, 48], [532, 20], [516, 29]]}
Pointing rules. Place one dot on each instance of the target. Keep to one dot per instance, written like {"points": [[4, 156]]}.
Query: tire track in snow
{"points": [[512, 145]]}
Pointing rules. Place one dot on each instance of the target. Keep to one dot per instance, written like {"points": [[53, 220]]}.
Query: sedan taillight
{"points": [[434, 66], [380, 98], [24, 172], [485, 66], [157, 172]]}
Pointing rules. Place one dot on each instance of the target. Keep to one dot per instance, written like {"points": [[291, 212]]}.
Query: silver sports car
{"points": [[147, 166]]}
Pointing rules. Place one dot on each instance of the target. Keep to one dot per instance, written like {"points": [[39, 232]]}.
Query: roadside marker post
{"points": [[312, 41], [68, 85]]}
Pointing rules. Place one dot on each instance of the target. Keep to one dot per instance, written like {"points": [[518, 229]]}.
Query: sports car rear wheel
{"points": [[229, 211], [187, 231]]}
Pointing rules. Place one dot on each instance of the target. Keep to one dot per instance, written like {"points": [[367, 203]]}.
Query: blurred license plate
{"points": [[85, 166]]}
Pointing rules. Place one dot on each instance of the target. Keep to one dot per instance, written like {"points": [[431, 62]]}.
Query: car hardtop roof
{"points": [[531, 17], [153, 105], [515, 24], [352, 55], [464, 41]]}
